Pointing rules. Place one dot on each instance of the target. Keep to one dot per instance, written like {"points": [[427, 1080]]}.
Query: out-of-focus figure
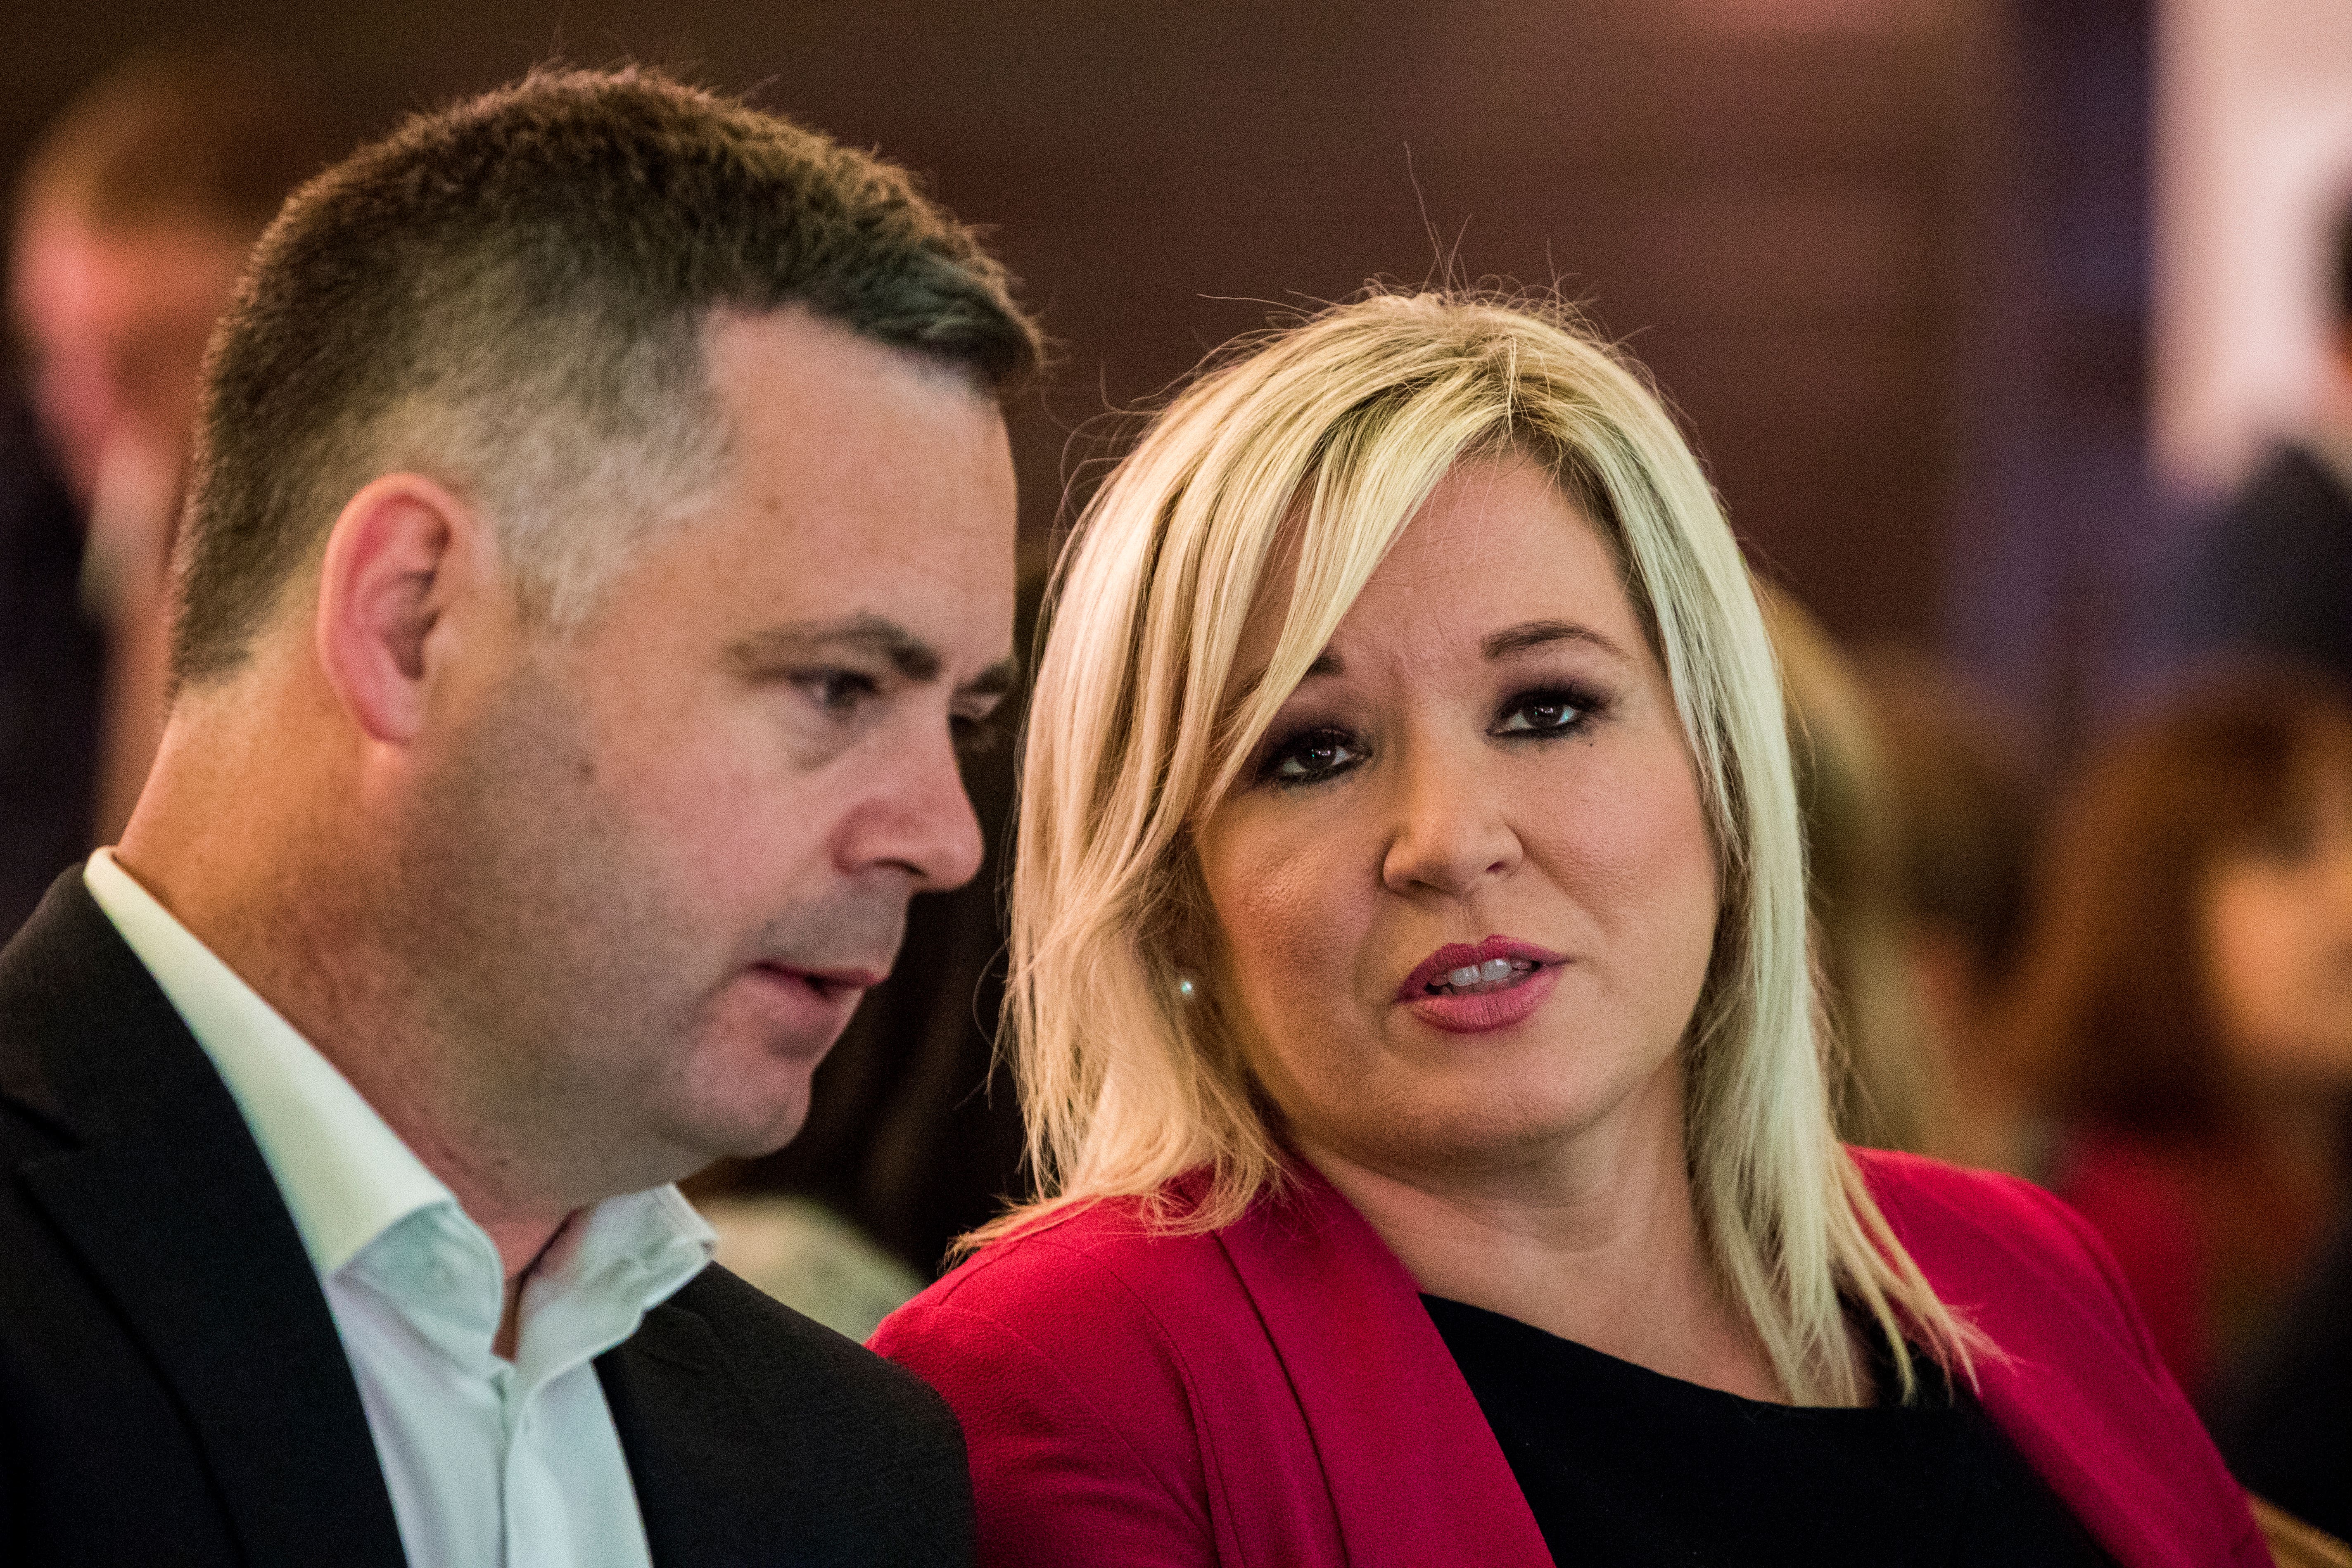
{"points": [[1966, 812], [132, 222], [2186, 1002], [809, 1259], [2283, 1420], [1894, 1094], [2272, 573], [52, 666]]}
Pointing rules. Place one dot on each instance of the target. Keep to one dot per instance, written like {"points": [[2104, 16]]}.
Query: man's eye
{"points": [[1318, 754], [1544, 713], [836, 691], [976, 736]]}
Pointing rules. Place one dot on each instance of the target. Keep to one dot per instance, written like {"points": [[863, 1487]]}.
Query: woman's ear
{"points": [[403, 553]]}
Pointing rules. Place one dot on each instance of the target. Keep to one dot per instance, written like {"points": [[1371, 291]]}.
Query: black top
{"points": [[1629, 1468]]}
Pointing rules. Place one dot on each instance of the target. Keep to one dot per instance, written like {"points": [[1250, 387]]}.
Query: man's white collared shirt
{"points": [[489, 1461]]}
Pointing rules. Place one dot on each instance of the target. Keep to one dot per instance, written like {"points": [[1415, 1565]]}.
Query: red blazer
{"points": [[1275, 1393]]}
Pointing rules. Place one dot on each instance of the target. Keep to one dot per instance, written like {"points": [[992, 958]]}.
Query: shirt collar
{"points": [[345, 1175]]}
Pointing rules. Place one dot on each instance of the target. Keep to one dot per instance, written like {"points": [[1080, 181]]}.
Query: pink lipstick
{"points": [[1468, 988]]}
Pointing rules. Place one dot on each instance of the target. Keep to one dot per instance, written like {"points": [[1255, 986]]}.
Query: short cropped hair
{"points": [[1337, 430], [210, 141], [511, 294]]}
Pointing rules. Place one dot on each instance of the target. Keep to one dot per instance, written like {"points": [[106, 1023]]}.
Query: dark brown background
{"points": [[1806, 216], [1887, 257]]}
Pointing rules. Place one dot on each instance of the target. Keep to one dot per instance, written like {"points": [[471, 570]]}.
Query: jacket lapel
{"points": [[166, 1199], [1415, 1475], [701, 1459], [2080, 1430], [2074, 1383]]}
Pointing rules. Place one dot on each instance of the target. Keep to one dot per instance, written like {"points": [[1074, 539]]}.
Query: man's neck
{"points": [[308, 958]]}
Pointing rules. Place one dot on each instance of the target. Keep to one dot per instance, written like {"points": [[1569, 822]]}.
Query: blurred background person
{"points": [[52, 666], [2283, 1418], [2185, 1003], [1964, 810], [2271, 572], [133, 217], [1892, 1093]]}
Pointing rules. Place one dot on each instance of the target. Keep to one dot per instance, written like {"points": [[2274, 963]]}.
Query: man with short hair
{"points": [[601, 528]]}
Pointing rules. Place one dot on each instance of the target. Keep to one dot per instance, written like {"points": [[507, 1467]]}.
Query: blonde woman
{"points": [[1411, 1006]]}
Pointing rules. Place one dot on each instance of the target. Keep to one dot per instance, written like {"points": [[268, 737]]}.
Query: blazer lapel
{"points": [[1416, 1474], [2081, 1421], [701, 1459], [2074, 1382], [168, 1201]]}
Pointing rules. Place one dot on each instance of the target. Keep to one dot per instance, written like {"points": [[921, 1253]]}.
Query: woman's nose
{"points": [[1448, 829]]}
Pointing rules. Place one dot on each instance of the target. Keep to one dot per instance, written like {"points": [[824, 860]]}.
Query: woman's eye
{"points": [[1546, 713], [1314, 756]]}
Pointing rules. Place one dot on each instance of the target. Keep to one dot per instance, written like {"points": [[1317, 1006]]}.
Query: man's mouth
{"points": [[827, 983]]}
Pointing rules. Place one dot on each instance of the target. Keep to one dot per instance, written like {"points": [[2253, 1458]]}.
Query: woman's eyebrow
{"points": [[1539, 633]]}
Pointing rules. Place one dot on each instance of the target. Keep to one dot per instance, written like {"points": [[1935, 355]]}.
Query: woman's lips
{"points": [[1495, 998]]}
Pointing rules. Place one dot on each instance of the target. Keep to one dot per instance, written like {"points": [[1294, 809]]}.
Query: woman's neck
{"points": [[1595, 1241]]}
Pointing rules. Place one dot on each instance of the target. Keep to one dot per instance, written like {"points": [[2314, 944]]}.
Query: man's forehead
{"points": [[832, 429]]}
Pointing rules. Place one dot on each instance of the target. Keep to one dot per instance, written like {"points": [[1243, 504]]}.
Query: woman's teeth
{"points": [[1491, 975]]}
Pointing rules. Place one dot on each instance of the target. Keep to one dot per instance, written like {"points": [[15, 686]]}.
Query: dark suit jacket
{"points": [[2272, 573], [173, 1389]]}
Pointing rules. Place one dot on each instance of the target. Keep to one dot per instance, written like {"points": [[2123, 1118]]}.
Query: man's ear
{"points": [[403, 554]]}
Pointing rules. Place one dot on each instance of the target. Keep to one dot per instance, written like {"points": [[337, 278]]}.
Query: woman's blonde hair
{"points": [[1336, 431]]}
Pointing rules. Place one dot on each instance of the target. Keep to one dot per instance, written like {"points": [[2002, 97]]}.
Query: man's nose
{"points": [[919, 818]]}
